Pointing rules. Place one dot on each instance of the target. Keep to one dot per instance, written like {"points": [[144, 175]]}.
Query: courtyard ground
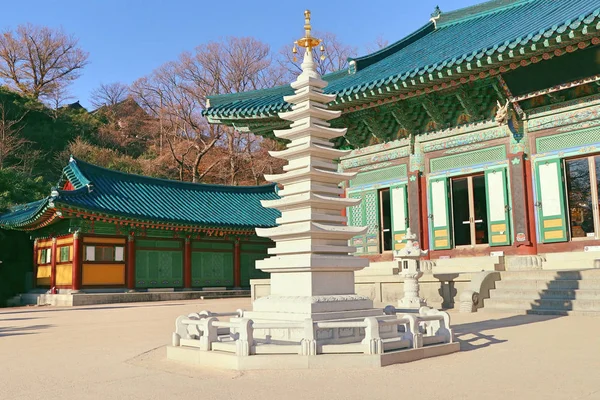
{"points": [[118, 352]]}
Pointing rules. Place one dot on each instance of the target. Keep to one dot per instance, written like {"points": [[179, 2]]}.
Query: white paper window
{"points": [[550, 190], [495, 185], [90, 253], [398, 201], [119, 253], [48, 256], [438, 200]]}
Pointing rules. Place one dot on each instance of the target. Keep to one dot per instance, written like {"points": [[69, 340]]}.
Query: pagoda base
{"points": [[229, 361]]}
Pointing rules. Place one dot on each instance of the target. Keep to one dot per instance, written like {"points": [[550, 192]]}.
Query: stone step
{"points": [[539, 311], [468, 264], [543, 304], [551, 275], [588, 284], [535, 294], [568, 260]]}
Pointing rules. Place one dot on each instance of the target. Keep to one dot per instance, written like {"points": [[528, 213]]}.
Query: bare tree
{"points": [[38, 60], [176, 94], [109, 94], [376, 45], [335, 57], [11, 143]]}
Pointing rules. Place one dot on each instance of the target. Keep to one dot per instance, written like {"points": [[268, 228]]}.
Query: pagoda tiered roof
{"points": [[453, 48], [101, 194]]}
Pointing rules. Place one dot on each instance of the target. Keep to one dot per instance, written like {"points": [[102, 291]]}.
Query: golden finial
{"points": [[308, 41]]}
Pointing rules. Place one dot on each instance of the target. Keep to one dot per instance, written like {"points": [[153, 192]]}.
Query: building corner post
{"points": [[237, 271], [131, 262], [76, 262], [35, 264], [187, 264], [53, 267]]}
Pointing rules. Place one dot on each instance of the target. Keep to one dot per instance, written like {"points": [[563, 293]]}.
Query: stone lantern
{"points": [[409, 266]]}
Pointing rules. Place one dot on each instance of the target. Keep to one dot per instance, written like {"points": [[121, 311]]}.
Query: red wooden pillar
{"points": [[530, 207], [131, 262], [53, 267], [35, 264], [424, 214], [187, 264], [237, 270], [76, 272]]}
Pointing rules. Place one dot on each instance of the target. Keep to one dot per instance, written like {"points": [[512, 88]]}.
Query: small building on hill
{"points": [[106, 229]]}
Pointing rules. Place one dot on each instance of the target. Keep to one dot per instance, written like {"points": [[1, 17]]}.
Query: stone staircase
{"points": [[546, 293]]}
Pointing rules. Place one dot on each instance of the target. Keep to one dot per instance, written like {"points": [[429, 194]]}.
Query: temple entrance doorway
{"points": [[469, 210]]}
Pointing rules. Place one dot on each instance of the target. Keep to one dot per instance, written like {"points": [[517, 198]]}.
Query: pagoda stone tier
{"points": [[312, 266]]}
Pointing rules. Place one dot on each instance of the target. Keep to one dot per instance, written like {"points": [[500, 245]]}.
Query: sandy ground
{"points": [[118, 352]]}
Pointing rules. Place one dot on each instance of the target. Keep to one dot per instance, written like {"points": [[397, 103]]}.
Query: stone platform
{"points": [[224, 360], [86, 299]]}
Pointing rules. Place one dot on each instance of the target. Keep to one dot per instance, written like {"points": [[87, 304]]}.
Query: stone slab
{"points": [[86, 299], [222, 360]]}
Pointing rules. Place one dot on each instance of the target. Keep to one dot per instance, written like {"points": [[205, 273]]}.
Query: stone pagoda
{"points": [[312, 267], [313, 318]]}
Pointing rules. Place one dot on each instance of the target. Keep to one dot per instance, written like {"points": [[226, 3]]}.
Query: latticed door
{"points": [[550, 201], [365, 214], [498, 210], [399, 210], [440, 219]]}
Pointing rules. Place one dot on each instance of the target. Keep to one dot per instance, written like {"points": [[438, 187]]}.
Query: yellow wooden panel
{"points": [[499, 239], [498, 227], [441, 232], [43, 281], [441, 242], [44, 243], [44, 271], [553, 235], [399, 246], [64, 274], [399, 236], [70, 252], [102, 240], [553, 223], [64, 242], [103, 274]]}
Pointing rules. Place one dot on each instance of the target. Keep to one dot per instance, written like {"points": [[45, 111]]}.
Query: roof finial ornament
{"points": [[435, 15], [308, 41]]}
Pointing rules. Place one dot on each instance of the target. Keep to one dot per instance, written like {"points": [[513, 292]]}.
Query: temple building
{"points": [[105, 229], [480, 131]]}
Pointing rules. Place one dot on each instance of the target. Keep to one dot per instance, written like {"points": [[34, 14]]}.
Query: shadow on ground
{"points": [[22, 330], [37, 309], [472, 337]]}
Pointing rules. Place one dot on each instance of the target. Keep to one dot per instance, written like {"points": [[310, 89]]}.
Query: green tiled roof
{"points": [[126, 196], [472, 38]]}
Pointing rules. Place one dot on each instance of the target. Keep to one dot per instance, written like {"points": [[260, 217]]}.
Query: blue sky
{"points": [[127, 39]]}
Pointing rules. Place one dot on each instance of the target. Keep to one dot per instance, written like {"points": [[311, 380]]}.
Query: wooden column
{"points": [[414, 203], [76, 262], [53, 267], [424, 213], [35, 264], [131, 262], [530, 206], [237, 271], [187, 264], [519, 182]]}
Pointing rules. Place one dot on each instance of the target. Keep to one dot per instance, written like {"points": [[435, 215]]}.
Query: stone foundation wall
{"points": [[439, 290]]}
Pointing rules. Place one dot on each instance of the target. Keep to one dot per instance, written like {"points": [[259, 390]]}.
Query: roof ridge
{"points": [[171, 182], [478, 10], [365, 61]]}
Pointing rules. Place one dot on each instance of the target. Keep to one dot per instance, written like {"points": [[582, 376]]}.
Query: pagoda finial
{"points": [[308, 41]]}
